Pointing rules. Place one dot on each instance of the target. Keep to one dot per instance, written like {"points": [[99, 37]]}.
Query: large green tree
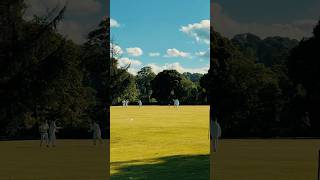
{"points": [[166, 86], [244, 95], [41, 78], [144, 78], [269, 51], [304, 70], [194, 93], [194, 77]]}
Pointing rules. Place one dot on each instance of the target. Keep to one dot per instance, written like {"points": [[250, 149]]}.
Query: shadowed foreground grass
{"points": [[70, 160], [169, 168], [267, 159], [158, 142]]}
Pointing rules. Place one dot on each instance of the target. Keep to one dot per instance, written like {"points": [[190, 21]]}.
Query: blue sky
{"points": [[166, 34], [156, 26]]}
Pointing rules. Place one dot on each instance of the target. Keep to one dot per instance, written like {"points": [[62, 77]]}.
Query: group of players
{"points": [[48, 133], [125, 103], [215, 129]]}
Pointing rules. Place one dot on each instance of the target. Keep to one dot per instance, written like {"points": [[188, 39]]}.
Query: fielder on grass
{"points": [[43, 129], [53, 128], [215, 132], [176, 103], [96, 132]]}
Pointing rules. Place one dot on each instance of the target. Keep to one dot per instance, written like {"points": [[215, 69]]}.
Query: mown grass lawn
{"points": [[162, 143], [69, 160], [158, 142], [267, 159]]}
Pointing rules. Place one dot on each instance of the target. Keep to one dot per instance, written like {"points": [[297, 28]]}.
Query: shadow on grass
{"points": [[179, 167]]}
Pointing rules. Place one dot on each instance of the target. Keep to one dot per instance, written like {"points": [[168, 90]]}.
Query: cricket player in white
{"points": [[176, 103], [140, 103], [215, 131], [52, 133], [123, 103], [127, 102], [43, 129], [96, 132]]}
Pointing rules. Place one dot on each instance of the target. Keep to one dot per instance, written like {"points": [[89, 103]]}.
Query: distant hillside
{"points": [[194, 77], [269, 51]]}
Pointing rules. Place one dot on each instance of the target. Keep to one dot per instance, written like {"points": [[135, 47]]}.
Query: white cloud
{"points": [[154, 54], [115, 49], [133, 70], [230, 27], [135, 65], [176, 53], [125, 61], [114, 23], [135, 51], [200, 31], [155, 68], [203, 54], [200, 53], [177, 66]]}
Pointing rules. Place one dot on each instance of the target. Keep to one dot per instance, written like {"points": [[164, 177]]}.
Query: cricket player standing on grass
{"points": [[140, 103], [52, 133], [43, 129], [96, 132], [215, 132], [174, 103]]}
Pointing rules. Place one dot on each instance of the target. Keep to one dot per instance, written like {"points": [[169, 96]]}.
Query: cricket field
{"points": [[160, 143], [164, 143], [69, 160]]}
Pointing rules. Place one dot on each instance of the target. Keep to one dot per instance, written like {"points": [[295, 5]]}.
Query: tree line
{"points": [[265, 87], [163, 87], [256, 87], [45, 76]]}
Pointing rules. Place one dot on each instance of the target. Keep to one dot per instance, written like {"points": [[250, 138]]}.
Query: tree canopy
{"points": [[264, 87]]}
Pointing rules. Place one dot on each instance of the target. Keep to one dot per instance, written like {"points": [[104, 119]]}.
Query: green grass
{"points": [[155, 143], [160, 143], [267, 159], [70, 160]]}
